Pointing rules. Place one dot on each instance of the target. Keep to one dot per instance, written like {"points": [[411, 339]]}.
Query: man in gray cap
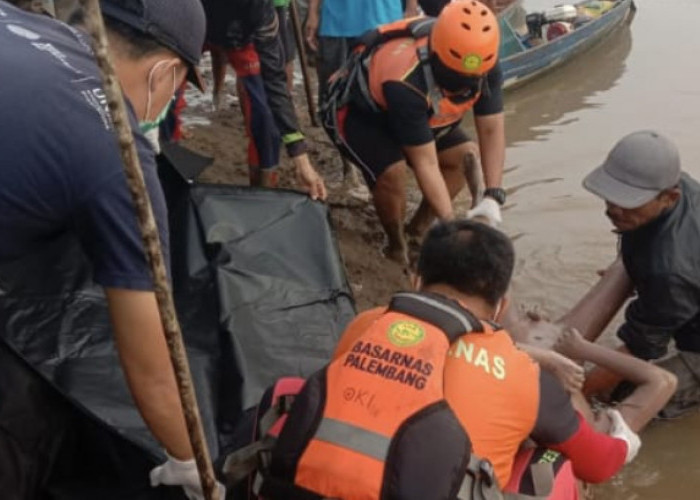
{"points": [[655, 208], [63, 178]]}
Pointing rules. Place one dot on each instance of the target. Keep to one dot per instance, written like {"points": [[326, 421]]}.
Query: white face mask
{"points": [[147, 125]]}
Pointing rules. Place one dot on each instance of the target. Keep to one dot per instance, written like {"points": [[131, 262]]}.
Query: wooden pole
{"points": [[294, 12], [149, 233]]}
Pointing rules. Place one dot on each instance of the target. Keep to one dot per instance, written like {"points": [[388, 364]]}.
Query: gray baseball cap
{"points": [[179, 25], [638, 168]]}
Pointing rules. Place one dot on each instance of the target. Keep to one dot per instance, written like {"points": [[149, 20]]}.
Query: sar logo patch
{"points": [[472, 62], [405, 333]]}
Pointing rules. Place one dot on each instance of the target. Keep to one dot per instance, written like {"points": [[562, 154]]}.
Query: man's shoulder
{"points": [[691, 191], [669, 248], [53, 71]]}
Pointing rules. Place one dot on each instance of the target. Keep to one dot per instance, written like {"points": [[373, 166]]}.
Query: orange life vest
{"points": [[388, 53], [395, 60], [501, 406], [375, 424]]}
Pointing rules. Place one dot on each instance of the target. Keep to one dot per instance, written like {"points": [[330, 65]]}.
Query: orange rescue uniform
{"points": [[491, 385]]}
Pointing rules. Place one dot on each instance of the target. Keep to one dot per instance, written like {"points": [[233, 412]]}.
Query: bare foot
{"points": [[398, 254], [417, 227], [218, 101]]}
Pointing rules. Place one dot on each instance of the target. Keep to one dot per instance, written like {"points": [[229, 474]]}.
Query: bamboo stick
{"points": [[294, 12], [149, 233]]}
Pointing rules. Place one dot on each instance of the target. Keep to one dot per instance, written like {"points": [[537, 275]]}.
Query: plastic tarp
{"points": [[260, 291]]}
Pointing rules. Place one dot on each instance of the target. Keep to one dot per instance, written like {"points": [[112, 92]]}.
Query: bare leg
{"points": [[269, 177], [655, 386], [452, 166], [289, 69], [218, 68], [389, 195]]}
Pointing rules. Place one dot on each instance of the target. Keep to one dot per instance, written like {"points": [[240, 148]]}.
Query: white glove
{"points": [[620, 430], [182, 473], [489, 209], [153, 137]]}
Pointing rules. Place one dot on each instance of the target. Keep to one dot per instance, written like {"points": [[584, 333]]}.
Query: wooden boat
{"points": [[533, 43]]}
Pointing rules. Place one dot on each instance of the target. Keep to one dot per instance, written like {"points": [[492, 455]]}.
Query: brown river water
{"points": [[561, 126]]}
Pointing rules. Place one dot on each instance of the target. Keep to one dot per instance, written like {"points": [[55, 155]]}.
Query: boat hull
{"points": [[531, 63]]}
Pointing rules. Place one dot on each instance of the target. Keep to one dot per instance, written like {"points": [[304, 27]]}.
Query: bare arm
{"points": [[145, 360], [411, 8], [654, 388], [312, 24], [597, 308], [492, 144], [308, 178], [424, 161], [569, 373]]}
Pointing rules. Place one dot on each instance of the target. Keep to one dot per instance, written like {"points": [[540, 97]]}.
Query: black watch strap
{"points": [[498, 194]]}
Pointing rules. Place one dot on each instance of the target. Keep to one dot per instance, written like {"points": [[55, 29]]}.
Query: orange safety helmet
{"points": [[466, 37]]}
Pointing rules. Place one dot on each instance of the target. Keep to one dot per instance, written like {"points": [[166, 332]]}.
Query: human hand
{"points": [[311, 30], [308, 178], [569, 343], [620, 430], [536, 330], [183, 473], [488, 211], [569, 373], [535, 313]]}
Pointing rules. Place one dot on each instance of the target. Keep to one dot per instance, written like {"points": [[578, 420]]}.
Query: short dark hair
{"points": [[471, 257], [134, 43]]}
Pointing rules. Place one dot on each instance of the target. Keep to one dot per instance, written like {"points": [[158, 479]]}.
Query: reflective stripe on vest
{"points": [[354, 438]]}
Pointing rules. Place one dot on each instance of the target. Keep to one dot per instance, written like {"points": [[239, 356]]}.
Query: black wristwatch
{"points": [[498, 194]]}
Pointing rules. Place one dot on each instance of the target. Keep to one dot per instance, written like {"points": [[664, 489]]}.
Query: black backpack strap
{"points": [[444, 313], [421, 27], [479, 482], [274, 412], [244, 461], [372, 38], [433, 90], [358, 63]]}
